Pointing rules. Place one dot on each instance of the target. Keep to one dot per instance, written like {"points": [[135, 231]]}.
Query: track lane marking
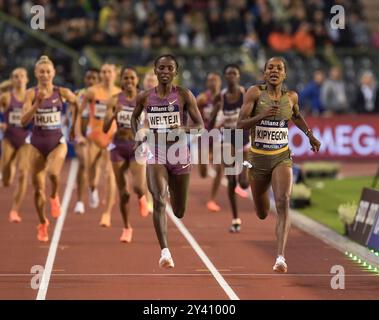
{"points": [[44, 284]]}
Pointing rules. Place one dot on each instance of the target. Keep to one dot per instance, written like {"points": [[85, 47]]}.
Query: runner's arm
{"points": [[72, 99], [29, 108], [300, 122], [4, 103], [110, 115], [217, 104], [193, 110], [140, 105]]}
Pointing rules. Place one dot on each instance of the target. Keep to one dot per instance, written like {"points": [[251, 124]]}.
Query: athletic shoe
{"points": [[105, 220], [42, 234], [127, 234], [143, 207], [55, 207], [94, 200], [280, 265], [14, 216], [79, 207], [236, 226], [213, 206], [166, 261], [241, 192]]}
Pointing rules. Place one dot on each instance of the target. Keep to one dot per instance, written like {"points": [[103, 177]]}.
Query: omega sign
{"points": [[341, 137]]}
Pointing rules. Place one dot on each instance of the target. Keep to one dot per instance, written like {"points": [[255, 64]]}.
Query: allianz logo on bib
{"points": [[169, 108]]}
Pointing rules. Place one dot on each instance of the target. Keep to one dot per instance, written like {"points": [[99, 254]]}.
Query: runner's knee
{"points": [[124, 197], [138, 190], [282, 202], [159, 202], [53, 177]]}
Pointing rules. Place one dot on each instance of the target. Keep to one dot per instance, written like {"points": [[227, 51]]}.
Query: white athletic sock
{"points": [[165, 252]]}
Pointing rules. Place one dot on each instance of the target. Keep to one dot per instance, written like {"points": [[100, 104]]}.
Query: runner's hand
{"points": [[42, 94], [315, 144]]}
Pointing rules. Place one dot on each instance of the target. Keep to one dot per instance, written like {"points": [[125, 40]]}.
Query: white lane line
{"points": [[328, 275], [191, 240], [44, 284]]}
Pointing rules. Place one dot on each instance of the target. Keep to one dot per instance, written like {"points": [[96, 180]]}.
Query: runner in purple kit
{"points": [[43, 106], [14, 149], [205, 103], [167, 107], [120, 109], [229, 101]]}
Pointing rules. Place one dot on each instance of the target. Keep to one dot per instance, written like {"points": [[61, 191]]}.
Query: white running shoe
{"points": [[280, 265], [94, 198], [166, 261], [79, 207]]}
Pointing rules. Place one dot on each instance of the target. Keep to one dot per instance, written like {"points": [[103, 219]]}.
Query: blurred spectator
{"points": [[233, 26], [333, 93], [367, 100], [215, 27], [251, 42], [375, 37], [360, 37], [264, 26], [310, 96], [281, 39], [303, 40], [224, 22]]}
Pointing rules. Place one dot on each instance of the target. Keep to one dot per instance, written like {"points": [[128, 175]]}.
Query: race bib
{"points": [[100, 110], [163, 117], [231, 119], [124, 117], [271, 134], [48, 120], [14, 118], [207, 111]]}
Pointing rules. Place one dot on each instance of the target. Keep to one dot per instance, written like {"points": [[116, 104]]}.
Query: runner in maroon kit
{"points": [[14, 149], [120, 109], [43, 106], [167, 107], [205, 103]]}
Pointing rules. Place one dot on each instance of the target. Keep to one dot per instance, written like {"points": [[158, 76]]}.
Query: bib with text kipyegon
{"points": [[162, 118], [48, 118], [14, 117], [271, 134]]}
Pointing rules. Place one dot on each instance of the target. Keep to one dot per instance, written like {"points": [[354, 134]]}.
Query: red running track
{"points": [[91, 263]]}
